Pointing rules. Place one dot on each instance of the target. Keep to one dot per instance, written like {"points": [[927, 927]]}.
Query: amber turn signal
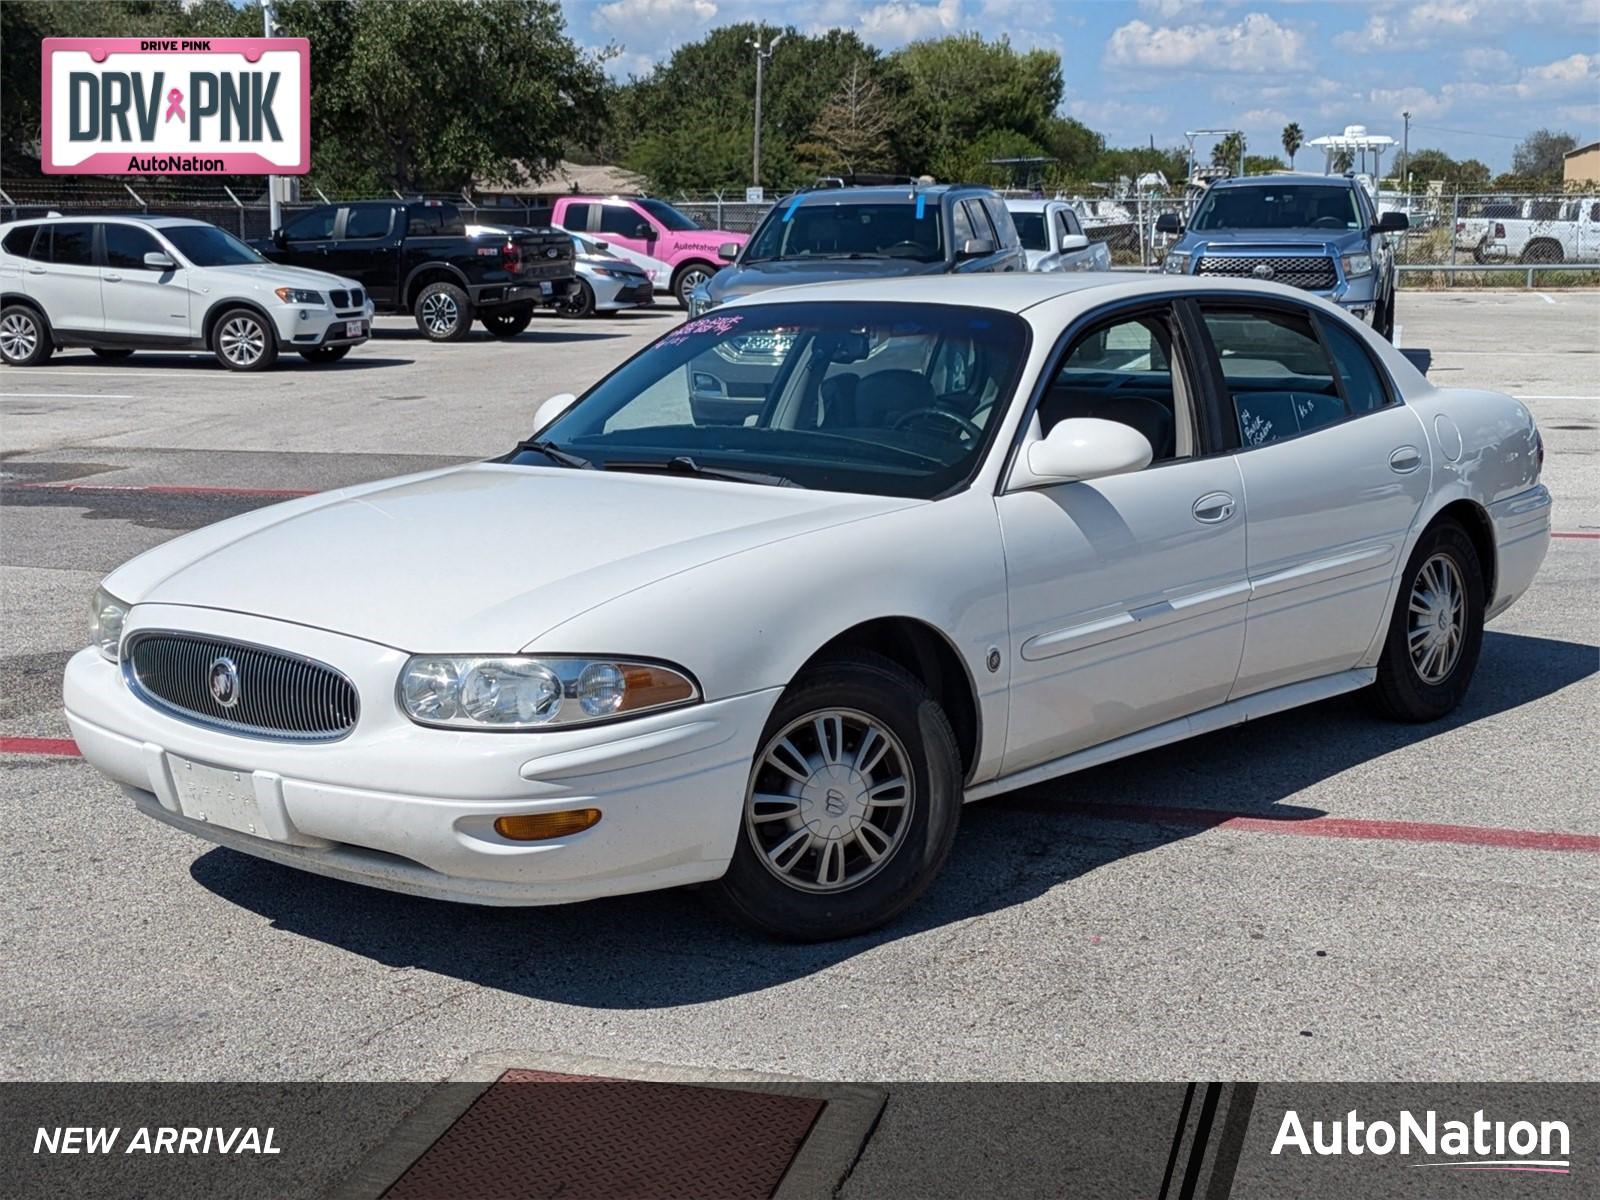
{"points": [[538, 827]]}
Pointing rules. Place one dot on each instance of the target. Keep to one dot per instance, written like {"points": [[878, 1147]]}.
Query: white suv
{"points": [[120, 284]]}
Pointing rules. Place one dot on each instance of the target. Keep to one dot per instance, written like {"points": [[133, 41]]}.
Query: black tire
{"points": [[444, 314], [507, 322], [322, 355], [1384, 325], [687, 277], [111, 354], [24, 336], [1542, 252], [884, 692], [1403, 692], [244, 340], [579, 302]]}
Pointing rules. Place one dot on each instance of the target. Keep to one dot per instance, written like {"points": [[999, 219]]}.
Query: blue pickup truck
{"points": [[1317, 232]]}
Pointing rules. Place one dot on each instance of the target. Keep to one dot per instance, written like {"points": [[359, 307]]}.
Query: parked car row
{"points": [[1533, 231]]}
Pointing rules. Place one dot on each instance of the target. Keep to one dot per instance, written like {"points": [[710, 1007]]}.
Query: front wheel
{"points": [[507, 322], [324, 354], [24, 341], [579, 302], [244, 341], [1436, 630], [444, 314], [852, 804], [689, 278]]}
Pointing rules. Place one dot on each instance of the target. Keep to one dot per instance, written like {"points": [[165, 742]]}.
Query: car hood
{"points": [[746, 278], [273, 275], [482, 558], [1290, 240]]}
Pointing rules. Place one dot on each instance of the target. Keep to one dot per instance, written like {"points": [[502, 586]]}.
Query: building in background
{"points": [[1581, 166]]}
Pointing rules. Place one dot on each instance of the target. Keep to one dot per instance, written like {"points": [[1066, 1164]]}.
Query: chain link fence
{"points": [[1455, 239]]}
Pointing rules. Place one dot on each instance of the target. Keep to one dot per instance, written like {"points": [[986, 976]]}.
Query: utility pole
{"points": [[762, 54], [268, 29], [1405, 154]]}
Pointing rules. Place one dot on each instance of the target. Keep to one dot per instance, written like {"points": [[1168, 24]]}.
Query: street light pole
{"points": [[762, 54], [1405, 154]]}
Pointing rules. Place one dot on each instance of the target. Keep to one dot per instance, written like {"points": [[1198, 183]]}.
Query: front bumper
{"points": [[613, 294], [399, 806], [300, 326]]}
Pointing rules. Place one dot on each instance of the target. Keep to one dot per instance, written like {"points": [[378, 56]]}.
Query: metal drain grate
{"points": [[538, 1133]]}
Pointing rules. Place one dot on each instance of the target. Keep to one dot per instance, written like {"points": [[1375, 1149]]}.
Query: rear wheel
{"points": [[24, 340], [689, 278], [324, 354], [444, 314], [243, 341], [114, 354], [1436, 630], [507, 322], [1542, 252], [851, 807], [579, 302]]}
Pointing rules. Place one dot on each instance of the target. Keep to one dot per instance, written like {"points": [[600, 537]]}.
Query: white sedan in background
{"points": [[973, 539], [1053, 237]]}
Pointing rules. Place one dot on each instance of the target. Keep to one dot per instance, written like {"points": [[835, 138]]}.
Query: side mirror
{"points": [[278, 236], [552, 408], [1088, 448], [601, 245], [158, 260], [1393, 222], [976, 248], [1074, 241], [646, 231], [728, 251], [1169, 223]]}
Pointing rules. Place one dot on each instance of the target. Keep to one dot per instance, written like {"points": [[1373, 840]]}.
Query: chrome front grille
{"points": [[1313, 272], [273, 694]]}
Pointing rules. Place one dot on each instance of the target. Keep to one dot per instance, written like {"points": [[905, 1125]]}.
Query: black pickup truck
{"points": [[417, 256]]}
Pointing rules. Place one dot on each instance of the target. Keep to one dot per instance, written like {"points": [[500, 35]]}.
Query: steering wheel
{"points": [[907, 246], [1327, 223], [956, 419]]}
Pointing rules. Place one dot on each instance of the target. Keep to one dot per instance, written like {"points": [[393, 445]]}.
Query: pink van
{"points": [[673, 250]]}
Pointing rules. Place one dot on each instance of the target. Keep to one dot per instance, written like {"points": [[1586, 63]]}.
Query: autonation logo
{"points": [[1476, 1145]]}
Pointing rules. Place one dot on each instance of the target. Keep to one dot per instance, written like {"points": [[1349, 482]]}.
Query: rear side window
{"points": [[312, 226], [126, 246], [367, 223], [1278, 377], [73, 244], [435, 220], [576, 217], [20, 241], [1363, 386]]}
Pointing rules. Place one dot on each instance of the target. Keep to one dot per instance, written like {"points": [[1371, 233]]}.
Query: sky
{"points": [[1476, 75]]}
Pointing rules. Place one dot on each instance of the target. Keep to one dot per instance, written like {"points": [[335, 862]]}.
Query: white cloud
{"points": [[899, 21], [1418, 26], [1118, 114], [654, 17], [1487, 60], [1255, 45], [1419, 102], [1168, 9]]}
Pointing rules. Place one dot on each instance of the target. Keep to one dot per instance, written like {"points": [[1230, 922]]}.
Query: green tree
{"points": [[1293, 139], [1073, 145], [1343, 160], [1538, 156], [1228, 151], [1262, 164], [975, 161], [851, 133]]}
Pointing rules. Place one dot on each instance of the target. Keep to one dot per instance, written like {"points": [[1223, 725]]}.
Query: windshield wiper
{"points": [[684, 465], [555, 454]]}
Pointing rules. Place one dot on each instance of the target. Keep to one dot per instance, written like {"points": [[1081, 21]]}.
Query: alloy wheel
{"points": [[1438, 619], [440, 313], [243, 341], [830, 800], [18, 336]]}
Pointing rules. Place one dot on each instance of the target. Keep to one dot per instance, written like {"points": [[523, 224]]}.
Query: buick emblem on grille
{"points": [[224, 681], [1263, 271]]}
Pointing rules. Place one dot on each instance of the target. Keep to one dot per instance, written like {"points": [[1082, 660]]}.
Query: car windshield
{"points": [[885, 399], [1279, 206], [208, 246], [675, 221], [823, 228], [1031, 229]]}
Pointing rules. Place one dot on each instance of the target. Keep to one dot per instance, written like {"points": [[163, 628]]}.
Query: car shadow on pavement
{"points": [[533, 335], [667, 949], [288, 360]]}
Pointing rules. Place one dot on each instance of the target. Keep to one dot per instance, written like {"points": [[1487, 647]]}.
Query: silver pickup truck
{"points": [[1053, 237]]}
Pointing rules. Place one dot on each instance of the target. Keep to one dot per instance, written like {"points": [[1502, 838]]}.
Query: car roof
{"points": [[879, 192], [123, 218], [1035, 205], [1283, 177], [1017, 292]]}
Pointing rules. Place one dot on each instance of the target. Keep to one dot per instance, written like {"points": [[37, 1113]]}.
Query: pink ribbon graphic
{"points": [[175, 105]]}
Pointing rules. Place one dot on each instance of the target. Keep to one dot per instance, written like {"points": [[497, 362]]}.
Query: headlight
{"points": [[512, 692], [1176, 263], [1357, 264], [612, 273], [106, 619], [298, 296]]}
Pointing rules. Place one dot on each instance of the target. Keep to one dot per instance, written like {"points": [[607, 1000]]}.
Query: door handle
{"points": [[35, 270], [1213, 508], [112, 278], [1405, 460]]}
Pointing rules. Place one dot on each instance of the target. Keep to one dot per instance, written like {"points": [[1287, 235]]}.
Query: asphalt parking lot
{"points": [[1181, 914]]}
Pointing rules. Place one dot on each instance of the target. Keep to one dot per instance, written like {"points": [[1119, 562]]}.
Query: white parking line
{"points": [[1398, 330], [1556, 397], [1545, 298], [131, 375], [62, 396]]}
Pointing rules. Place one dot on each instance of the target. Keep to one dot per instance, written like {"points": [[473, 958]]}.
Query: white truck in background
{"points": [[1551, 230]]}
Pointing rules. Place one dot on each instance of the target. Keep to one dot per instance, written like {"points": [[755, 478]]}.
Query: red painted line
{"points": [[1334, 827], [168, 489], [1576, 535], [60, 747]]}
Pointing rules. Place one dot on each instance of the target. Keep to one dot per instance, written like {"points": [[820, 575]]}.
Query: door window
{"points": [[126, 246], [1005, 229], [311, 226], [362, 223], [20, 241], [619, 220], [1363, 386], [1123, 371], [576, 217], [964, 231], [74, 244], [1278, 377]]}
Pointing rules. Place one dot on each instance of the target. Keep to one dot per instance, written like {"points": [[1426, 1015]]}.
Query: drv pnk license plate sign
{"points": [[176, 106]]}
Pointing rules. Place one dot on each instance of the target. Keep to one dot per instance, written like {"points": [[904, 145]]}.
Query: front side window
{"points": [[73, 244], [311, 226], [824, 229], [126, 246], [1279, 206], [669, 217], [208, 246], [1005, 229], [1123, 371], [961, 224], [877, 398], [1278, 376], [619, 220]]}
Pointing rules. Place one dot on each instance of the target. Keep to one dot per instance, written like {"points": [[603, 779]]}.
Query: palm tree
{"points": [[1293, 139], [1229, 151]]}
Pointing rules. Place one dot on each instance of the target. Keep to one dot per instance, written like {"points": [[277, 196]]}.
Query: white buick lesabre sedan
{"points": [[940, 539]]}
